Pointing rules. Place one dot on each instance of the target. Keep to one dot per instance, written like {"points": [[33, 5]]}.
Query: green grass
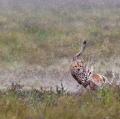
{"points": [[39, 104]]}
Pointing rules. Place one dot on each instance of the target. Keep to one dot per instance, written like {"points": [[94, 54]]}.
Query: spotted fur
{"points": [[78, 66]]}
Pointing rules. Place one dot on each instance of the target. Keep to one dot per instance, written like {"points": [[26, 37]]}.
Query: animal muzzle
{"points": [[78, 71]]}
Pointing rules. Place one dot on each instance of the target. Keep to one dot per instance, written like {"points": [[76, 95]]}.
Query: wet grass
{"points": [[39, 104]]}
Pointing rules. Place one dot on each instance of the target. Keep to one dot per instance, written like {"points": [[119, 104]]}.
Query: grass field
{"points": [[56, 31], [39, 104], [38, 39]]}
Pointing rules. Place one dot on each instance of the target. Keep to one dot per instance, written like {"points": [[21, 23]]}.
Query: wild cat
{"points": [[85, 76], [78, 66]]}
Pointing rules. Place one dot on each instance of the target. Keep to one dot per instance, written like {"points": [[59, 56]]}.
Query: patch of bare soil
{"points": [[37, 77]]}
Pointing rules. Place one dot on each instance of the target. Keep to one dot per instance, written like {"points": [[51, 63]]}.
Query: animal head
{"points": [[87, 74], [78, 67]]}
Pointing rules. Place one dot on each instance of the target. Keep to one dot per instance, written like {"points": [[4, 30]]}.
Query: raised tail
{"points": [[79, 53]]}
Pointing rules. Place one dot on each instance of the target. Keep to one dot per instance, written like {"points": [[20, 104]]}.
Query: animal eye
{"points": [[89, 73]]}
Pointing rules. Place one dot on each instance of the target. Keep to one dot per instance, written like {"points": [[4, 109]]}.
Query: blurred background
{"points": [[38, 39]]}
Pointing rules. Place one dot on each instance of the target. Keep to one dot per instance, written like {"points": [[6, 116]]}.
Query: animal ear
{"points": [[74, 58], [86, 68], [82, 61], [91, 70]]}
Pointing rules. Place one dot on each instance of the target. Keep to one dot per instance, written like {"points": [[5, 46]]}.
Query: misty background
{"points": [[38, 39]]}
